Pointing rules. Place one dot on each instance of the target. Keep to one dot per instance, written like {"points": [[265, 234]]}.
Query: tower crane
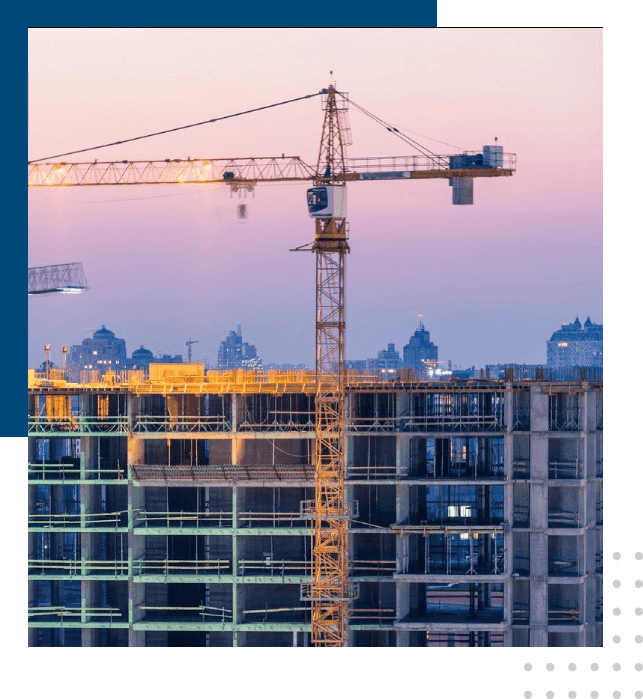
{"points": [[189, 344], [329, 590]]}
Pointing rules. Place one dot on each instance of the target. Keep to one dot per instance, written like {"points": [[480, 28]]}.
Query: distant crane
{"points": [[189, 343], [56, 279], [329, 591]]}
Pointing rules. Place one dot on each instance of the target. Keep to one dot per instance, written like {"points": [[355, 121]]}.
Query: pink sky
{"points": [[164, 263]]}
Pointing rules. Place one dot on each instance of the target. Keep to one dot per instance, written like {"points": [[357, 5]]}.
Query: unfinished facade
{"points": [[172, 512]]}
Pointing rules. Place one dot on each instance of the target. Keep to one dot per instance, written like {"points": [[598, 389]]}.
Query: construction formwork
{"points": [[176, 511]]}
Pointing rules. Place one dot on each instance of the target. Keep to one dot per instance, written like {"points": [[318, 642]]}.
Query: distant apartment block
{"points": [[576, 345]]}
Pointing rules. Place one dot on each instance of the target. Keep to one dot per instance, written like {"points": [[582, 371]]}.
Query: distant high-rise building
{"points": [[576, 345], [234, 353], [420, 350], [388, 362], [389, 358], [102, 352]]}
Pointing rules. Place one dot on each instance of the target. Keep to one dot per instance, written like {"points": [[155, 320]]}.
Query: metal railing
{"points": [[427, 423], [282, 567], [452, 423], [273, 519], [521, 469], [371, 472], [62, 611], [97, 519], [411, 163], [560, 519], [468, 565], [521, 515], [170, 567], [110, 424], [563, 569], [221, 472], [46, 567], [207, 613], [520, 615], [473, 469], [270, 566], [67, 471], [565, 469], [185, 519], [180, 423]]}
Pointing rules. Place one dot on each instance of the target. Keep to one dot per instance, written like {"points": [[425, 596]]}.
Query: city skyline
{"points": [[209, 355], [164, 265]]}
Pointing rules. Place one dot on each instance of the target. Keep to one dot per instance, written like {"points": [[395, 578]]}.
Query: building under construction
{"points": [[175, 511]]}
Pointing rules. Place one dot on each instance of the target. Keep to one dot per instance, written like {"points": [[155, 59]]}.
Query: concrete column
{"points": [[135, 551], [509, 408], [538, 458], [135, 452], [538, 409], [88, 598], [136, 639], [585, 599], [508, 491], [588, 454], [538, 522], [237, 405], [538, 612], [32, 602], [88, 457], [402, 639], [135, 505], [89, 503], [402, 455], [133, 409], [589, 552], [136, 601], [538, 518], [588, 403], [238, 596], [402, 510], [508, 448], [538, 556]]}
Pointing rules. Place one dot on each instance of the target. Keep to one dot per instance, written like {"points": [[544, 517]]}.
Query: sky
{"points": [[168, 263]]}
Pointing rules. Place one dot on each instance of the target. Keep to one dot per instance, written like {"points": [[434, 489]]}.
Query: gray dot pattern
{"points": [[550, 666], [616, 556], [616, 639], [616, 611], [572, 666], [638, 555], [528, 666], [594, 694], [617, 583], [593, 667], [638, 667], [639, 583], [550, 695], [572, 694], [638, 611], [616, 667], [639, 695], [639, 639], [528, 694]]}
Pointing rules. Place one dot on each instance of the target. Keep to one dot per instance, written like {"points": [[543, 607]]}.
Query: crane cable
{"points": [[396, 132], [420, 148], [178, 128]]}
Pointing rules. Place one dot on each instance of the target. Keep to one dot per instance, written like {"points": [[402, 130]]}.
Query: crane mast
{"points": [[329, 590]]}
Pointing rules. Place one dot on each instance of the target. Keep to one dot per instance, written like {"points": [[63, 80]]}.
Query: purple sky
{"points": [[166, 263]]}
